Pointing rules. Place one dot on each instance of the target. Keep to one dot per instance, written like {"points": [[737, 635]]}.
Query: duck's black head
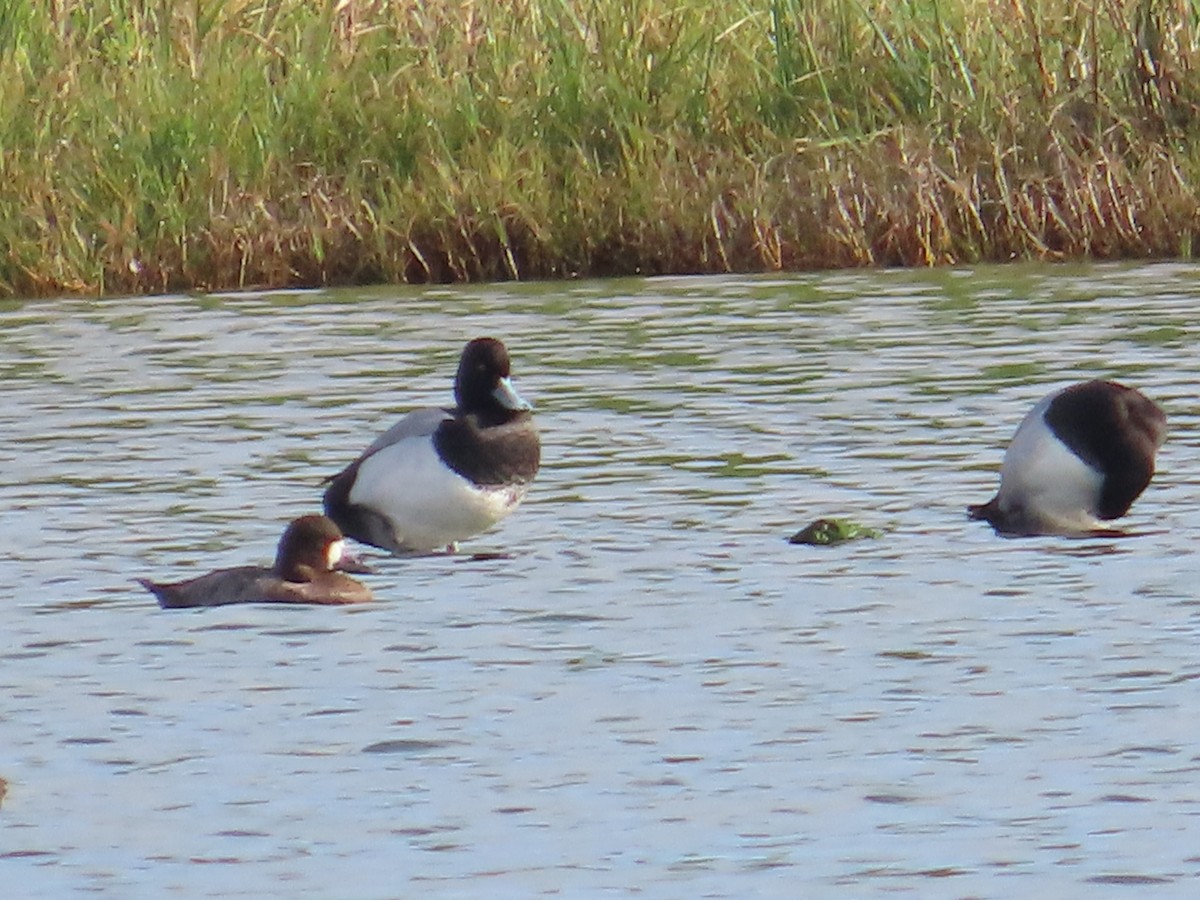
{"points": [[482, 384]]}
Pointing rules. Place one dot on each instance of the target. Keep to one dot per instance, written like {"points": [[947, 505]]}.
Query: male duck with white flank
{"points": [[439, 476], [309, 552], [1080, 457]]}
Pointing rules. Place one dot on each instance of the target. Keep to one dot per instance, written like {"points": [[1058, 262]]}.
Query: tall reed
{"points": [[149, 145]]}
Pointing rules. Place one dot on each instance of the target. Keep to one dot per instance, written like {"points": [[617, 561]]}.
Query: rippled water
{"points": [[655, 695]]}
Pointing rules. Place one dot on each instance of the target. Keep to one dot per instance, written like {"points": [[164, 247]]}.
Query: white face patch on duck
{"points": [[333, 553]]}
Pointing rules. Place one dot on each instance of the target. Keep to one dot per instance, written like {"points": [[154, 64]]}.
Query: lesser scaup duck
{"points": [[1082, 455], [309, 552], [439, 476]]}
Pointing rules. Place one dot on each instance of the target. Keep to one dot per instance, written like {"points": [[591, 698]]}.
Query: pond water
{"points": [[654, 694]]}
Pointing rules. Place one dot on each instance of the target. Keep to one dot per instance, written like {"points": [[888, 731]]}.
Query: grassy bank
{"points": [[158, 145]]}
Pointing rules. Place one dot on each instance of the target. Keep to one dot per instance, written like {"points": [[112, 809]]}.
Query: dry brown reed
{"points": [[151, 146]]}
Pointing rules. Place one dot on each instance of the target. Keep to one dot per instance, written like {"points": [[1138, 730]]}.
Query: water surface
{"points": [[655, 694]]}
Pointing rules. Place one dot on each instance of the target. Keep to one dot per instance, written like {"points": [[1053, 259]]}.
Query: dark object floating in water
{"points": [[403, 746], [825, 532], [488, 556]]}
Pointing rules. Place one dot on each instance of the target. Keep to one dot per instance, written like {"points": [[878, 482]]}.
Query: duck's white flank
{"points": [[430, 506], [1043, 481]]}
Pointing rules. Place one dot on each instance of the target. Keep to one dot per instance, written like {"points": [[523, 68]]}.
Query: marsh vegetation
{"points": [[151, 146]]}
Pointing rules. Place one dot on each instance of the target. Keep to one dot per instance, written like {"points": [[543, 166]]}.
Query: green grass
{"points": [[158, 145]]}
